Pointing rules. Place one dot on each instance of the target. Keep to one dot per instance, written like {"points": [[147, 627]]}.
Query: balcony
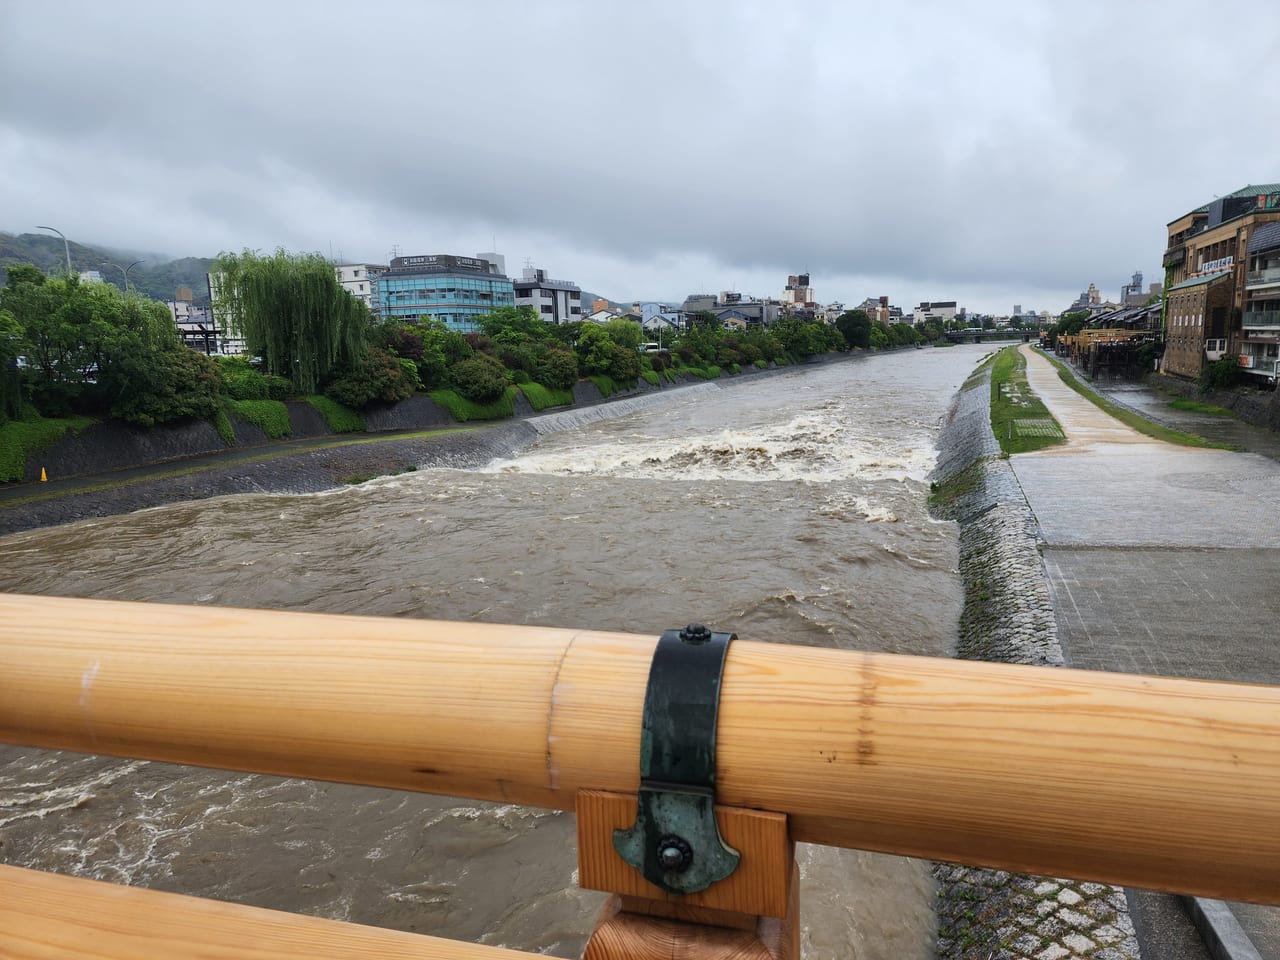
{"points": [[1261, 319], [1260, 366], [1262, 277]]}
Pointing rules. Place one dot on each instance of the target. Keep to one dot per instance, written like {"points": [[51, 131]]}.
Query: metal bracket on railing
{"points": [[675, 841]]}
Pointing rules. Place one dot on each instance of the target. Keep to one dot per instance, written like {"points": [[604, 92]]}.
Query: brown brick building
{"points": [[1211, 243], [1196, 314]]}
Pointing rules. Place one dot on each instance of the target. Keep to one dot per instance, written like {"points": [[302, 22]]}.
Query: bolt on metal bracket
{"points": [[675, 841]]}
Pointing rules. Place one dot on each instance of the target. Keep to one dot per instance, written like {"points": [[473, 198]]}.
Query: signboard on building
{"points": [[1222, 263], [440, 261]]}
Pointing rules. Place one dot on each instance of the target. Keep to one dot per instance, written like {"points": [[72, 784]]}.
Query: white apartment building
{"points": [[556, 301], [360, 279]]}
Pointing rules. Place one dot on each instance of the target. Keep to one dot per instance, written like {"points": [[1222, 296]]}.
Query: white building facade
{"points": [[556, 301]]}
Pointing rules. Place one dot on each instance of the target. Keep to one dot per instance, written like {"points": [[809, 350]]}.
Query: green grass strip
{"points": [[1013, 403], [339, 418], [269, 416], [464, 410], [1131, 419], [22, 439], [1196, 406], [540, 397]]}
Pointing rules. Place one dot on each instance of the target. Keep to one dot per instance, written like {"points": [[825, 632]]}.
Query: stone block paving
{"points": [[994, 915], [1208, 614]]}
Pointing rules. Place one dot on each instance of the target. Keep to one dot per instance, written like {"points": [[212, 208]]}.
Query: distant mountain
{"points": [[157, 278], [589, 298]]}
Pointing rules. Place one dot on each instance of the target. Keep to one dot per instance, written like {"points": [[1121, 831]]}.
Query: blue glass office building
{"points": [[457, 290]]}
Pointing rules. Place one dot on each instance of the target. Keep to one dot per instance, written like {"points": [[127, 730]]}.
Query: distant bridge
{"points": [[979, 336]]}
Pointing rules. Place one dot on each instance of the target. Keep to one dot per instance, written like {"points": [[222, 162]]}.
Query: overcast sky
{"points": [[992, 153]]}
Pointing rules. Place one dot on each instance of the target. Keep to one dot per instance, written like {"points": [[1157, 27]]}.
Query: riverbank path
{"points": [[1161, 559]]}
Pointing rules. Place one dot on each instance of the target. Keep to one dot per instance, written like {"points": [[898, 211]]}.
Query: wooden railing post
{"points": [[753, 914]]}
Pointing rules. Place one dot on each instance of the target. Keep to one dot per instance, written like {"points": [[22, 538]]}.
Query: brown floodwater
{"points": [[790, 509]]}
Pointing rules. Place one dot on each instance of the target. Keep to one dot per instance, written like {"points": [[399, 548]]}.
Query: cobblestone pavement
{"points": [[1160, 559]]}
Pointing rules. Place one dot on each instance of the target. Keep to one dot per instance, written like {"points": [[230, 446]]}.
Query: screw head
{"points": [[695, 633], [674, 853]]}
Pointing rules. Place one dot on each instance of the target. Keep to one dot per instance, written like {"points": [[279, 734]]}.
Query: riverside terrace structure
{"points": [[456, 290], [556, 301], [1205, 279]]}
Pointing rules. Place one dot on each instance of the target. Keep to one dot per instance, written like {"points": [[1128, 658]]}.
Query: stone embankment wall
{"points": [[1262, 409], [1008, 617], [114, 445]]}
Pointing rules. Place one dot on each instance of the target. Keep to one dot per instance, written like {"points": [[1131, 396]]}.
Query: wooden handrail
{"points": [[1145, 781], [43, 915]]}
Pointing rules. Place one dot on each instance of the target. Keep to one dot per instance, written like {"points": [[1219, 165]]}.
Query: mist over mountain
{"points": [[158, 277]]}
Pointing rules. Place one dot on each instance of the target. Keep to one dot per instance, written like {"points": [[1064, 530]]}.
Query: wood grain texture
{"points": [[44, 916], [759, 886], [624, 935], [1144, 781]]}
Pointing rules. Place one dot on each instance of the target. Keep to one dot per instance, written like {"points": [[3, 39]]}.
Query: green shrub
{"points": [[22, 439], [269, 416], [482, 379], [651, 378], [540, 397], [339, 418], [240, 381], [410, 370], [1222, 374], [377, 377], [709, 372], [222, 423], [760, 364], [735, 368], [557, 369], [624, 365], [464, 409]]}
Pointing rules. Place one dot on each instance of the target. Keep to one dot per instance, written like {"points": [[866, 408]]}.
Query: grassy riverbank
{"points": [[1020, 421]]}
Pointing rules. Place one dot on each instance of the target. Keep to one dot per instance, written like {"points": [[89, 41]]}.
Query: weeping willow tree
{"points": [[291, 310]]}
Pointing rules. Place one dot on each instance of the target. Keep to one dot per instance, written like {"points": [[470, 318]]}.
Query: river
{"points": [[790, 509]]}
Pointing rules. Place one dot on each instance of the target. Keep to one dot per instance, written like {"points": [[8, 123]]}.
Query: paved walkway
{"points": [[1161, 559]]}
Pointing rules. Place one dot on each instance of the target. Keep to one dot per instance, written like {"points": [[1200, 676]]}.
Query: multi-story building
{"points": [[943, 310], [798, 298], [556, 301], [1210, 244], [457, 290], [732, 309], [1260, 321], [360, 280]]}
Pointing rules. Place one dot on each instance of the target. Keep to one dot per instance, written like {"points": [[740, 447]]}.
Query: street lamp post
{"points": [[65, 246], [125, 271]]}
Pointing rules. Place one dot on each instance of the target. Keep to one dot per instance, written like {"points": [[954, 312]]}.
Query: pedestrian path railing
{"points": [[1142, 781]]}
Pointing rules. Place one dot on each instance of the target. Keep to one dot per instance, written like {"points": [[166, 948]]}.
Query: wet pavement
{"points": [[1161, 559], [1154, 405]]}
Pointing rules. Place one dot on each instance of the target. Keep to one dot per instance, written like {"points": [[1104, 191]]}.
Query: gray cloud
{"points": [[994, 152]]}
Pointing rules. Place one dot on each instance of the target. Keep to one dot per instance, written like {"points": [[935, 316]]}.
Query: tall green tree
{"points": [[855, 325], [10, 381], [293, 312]]}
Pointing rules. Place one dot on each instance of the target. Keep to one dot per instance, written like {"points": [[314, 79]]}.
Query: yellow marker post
{"points": [[44, 477]]}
